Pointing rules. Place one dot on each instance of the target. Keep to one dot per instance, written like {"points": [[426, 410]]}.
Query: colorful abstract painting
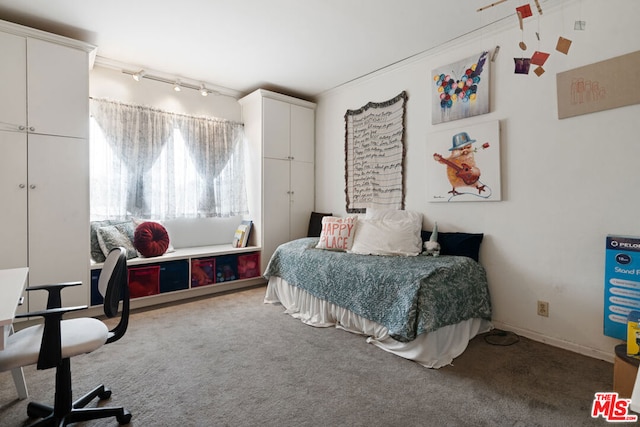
{"points": [[460, 89]]}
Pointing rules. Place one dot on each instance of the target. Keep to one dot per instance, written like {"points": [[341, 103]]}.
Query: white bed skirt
{"points": [[432, 350]]}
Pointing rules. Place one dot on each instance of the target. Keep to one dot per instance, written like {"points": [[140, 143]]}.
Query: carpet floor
{"points": [[231, 360]]}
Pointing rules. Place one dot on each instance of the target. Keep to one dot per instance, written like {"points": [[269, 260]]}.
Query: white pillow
{"points": [[394, 214], [387, 237], [337, 233]]}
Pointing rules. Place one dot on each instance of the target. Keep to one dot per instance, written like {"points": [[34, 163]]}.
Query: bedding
{"points": [[407, 296], [431, 350]]}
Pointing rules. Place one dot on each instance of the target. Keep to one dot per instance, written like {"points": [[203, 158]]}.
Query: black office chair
{"points": [[53, 343]]}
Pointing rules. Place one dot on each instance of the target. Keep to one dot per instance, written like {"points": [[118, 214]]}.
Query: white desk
{"points": [[12, 284]]}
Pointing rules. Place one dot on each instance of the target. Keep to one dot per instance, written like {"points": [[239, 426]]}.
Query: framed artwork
{"points": [[465, 164], [597, 87], [460, 89], [374, 155]]}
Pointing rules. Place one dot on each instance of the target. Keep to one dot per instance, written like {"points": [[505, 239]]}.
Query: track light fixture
{"points": [[137, 76], [176, 83]]}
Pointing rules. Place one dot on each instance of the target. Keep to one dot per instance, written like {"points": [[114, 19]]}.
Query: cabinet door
{"points": [[58, 94], [58, 216], [302, 133], [275, 127], [13, 190], [13, 86], [275, 219], [302, 198]]}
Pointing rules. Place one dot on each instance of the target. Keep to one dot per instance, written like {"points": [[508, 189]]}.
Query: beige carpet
{"points": [[231, 360]]}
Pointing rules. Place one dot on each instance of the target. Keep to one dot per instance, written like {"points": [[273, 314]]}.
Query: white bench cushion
{"points": [[193, 232]]}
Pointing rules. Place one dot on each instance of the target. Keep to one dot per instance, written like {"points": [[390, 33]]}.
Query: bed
{"points": [[422, 308]]}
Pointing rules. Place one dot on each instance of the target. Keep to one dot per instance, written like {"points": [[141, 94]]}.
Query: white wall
{"points": [[566, 184], [113, 84]]}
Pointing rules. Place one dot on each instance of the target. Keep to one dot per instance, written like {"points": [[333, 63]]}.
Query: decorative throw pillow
{"points": [[151, 239], [387, 237], [337, 233], [115, 236], [96, 251], [394, 215], [459, 244], [315, 224]]}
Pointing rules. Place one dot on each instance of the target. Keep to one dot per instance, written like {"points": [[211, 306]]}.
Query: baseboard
{"points": [[555, 342]]}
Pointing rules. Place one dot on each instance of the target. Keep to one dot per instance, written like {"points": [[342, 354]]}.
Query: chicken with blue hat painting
{"points": [[461, 164]]}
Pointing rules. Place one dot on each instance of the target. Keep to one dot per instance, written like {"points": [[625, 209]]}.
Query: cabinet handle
{"points": [[32, 186], [21, 127], [32, 129], [22, 186]]}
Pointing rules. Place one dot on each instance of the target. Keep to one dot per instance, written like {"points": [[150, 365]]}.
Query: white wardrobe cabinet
{"points": [[44, 160], [43, 81], [281, 133]]}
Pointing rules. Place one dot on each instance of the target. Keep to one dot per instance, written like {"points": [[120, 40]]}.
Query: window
{"points": [[148, 163]]}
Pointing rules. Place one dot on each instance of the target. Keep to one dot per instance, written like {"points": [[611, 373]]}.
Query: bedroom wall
{"points": [[109, 83], [566, 184]]}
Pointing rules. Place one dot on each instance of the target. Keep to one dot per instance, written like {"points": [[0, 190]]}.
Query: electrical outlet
{"points": [[543, 308]]}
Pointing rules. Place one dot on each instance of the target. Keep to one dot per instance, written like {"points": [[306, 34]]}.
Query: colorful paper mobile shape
{"points": [[539, 71], [522, 65], [525, 10], [563, 45], [539, 58]]}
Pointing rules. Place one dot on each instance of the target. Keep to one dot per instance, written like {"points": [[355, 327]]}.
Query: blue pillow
{"points": [[315, 224], [459, 244]]}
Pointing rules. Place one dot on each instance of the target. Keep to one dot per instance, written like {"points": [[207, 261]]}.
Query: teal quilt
{"points": [[407, 295]]}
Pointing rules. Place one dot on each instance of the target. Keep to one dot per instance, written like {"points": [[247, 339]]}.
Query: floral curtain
{"points": [[149, 163]]}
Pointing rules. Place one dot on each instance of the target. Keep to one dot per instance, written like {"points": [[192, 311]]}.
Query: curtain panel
{"points": [[149, 163]]}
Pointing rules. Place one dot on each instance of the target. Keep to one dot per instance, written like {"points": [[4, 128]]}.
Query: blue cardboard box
{"points": [[622, 284]]}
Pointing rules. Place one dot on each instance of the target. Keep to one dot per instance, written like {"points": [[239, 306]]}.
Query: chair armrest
{"points": [[50, 312], [51, 345], [55, 299]]}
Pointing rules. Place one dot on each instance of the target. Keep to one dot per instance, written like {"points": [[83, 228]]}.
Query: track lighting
{"points": [[176, 83], [137, 76]]}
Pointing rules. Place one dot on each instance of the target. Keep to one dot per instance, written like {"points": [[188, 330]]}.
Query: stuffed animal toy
{"points": [[432, 247]]}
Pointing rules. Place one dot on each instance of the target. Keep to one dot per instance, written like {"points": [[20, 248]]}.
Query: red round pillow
{"points": [[151, 239]]}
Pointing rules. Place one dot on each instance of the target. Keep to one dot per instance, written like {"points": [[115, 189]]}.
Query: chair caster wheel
{"points": [[104, 394], [125, 418], [38, 410]]}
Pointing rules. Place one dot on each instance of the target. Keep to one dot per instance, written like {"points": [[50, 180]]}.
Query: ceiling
{"points": [[303, 47]]}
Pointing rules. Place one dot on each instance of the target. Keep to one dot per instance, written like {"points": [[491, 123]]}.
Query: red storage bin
{"points": [[203, 272], [249, 265], [144, 281]]}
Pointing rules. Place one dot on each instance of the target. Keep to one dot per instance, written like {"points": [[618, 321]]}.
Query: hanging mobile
{"points": [[522, 44]]}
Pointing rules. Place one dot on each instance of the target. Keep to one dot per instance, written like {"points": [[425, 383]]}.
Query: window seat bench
{"points": [[200, 261]]}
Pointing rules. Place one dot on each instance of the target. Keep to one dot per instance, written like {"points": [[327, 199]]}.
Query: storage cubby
{"points": [[249, 265], [174, 276], [203, 271], [226, 268], [144, 281], [187, 272]]}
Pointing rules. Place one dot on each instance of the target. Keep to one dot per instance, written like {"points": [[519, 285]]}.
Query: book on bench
{"points": [[242, 234]]}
